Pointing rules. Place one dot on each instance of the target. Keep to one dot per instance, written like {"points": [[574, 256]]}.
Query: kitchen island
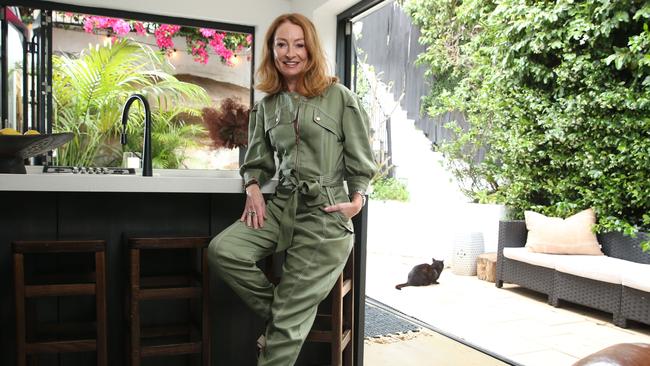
{"points": [[39, 206]]}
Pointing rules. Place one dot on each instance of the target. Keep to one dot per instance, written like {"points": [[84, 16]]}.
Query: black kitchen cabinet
{"points": [[114, 216]]}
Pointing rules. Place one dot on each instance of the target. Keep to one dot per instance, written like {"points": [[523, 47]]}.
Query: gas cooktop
{"points": [[88, 170]]}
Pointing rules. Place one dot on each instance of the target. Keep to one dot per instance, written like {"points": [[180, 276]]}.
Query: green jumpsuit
{"points": [[319, 142]]}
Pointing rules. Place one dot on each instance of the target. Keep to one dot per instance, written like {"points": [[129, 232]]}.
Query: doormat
{"points": [[385, 325]]}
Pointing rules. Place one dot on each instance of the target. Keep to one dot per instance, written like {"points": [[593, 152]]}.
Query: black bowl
{"points": [[14, 149]]}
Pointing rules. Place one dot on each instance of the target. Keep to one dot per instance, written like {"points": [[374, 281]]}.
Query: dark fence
{"points": [[390, 42]]}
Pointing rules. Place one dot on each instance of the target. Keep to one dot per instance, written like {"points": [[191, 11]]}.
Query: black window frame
{"points": [[4, 68], [345, 57]]}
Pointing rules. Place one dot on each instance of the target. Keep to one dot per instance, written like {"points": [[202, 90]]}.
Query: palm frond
{"points": [[89, 92]]}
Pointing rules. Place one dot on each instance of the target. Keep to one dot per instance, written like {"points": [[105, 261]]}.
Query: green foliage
{"points": [[389, 189], [90, 90], [367, 80], [362, 84], [557, 95], [170, 136]]}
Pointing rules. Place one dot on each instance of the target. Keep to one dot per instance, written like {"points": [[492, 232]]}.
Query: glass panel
{"points": [[15, 53], [186, 73], [366, 82]]}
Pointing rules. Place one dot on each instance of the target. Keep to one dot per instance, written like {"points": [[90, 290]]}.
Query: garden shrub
{"points": [[556, 93], [389, 189]]}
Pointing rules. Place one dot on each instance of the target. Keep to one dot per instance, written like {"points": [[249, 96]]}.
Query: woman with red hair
{"points": [[319, 132]]}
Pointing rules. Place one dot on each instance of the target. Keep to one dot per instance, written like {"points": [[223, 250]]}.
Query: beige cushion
{"points": [[537, 259], [637, 275], [598, 268], [554, 235]]}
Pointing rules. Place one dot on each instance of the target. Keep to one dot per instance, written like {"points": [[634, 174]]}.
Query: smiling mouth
{"points": [[290, 63]]}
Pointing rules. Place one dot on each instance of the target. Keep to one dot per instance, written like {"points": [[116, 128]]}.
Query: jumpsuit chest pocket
{"points": [[280, 130], [329, 124]]}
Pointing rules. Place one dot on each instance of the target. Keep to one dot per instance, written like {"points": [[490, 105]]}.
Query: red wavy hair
{"points": [[314, 80]]}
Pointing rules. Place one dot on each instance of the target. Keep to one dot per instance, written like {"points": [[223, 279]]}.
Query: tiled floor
{"points": [[424, 348], [512, 322]]}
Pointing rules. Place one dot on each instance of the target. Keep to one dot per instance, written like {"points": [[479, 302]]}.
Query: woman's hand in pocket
{"points": [[347, 209]]}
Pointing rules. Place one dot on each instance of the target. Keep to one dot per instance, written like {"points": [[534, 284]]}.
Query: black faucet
{"points": [[146, 153]]}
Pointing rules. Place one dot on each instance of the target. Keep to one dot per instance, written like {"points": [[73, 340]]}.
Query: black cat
{"points": [[424, 274]]}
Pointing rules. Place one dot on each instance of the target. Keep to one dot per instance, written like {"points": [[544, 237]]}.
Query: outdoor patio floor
{"points": [[512, 322]]}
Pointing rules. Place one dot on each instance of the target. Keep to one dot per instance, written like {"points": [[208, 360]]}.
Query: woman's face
{"points": [[289, 50]]}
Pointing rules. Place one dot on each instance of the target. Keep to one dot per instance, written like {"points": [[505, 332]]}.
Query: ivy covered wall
{"points": [[558, 92]]}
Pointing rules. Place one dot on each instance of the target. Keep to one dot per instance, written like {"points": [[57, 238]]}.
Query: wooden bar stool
{"points": [[61, 286], [333, 327], [193, 286], [339, 334]]}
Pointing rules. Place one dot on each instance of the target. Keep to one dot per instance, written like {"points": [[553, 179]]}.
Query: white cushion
{"points": [[637, 275], [538, 259], [599, 268]]}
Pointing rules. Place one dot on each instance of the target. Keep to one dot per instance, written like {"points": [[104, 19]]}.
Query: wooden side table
{"points": [[486, 267]]}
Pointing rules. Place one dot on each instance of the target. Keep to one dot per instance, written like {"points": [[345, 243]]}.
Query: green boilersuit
{"points": [[319, 142]]}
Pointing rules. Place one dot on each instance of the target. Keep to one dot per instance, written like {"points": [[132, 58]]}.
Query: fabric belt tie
{"points": [[291, 189]]}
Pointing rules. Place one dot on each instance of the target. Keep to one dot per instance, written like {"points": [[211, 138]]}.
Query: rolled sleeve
{"points": [[360, 164], [259, 162]]}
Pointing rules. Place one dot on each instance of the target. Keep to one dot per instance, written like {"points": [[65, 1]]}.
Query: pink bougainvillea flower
{"points": [[214, 43], [139, 28], [199, 52], [120, 27], [89, 25], [102, 22], [164, 42], [207, 33], [164, 35], [222, 51], [200, 55], [170, 29], [198, 40], [217, 38], [219, 48]]}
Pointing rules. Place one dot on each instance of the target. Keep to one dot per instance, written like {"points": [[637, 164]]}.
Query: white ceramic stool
{"points": [[466, 249]]}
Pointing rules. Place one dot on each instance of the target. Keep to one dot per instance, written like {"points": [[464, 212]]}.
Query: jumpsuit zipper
{"points": [[296, 127]]}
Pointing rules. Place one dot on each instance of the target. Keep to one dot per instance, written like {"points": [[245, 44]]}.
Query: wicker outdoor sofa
{"points": [[618, 282]]}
